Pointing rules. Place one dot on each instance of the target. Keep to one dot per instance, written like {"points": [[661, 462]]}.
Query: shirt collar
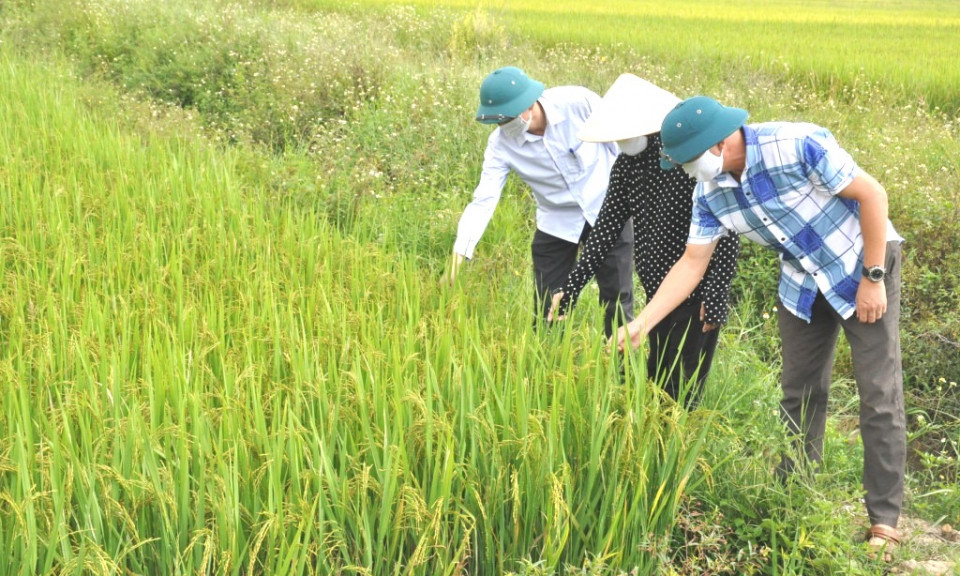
{"points": [[726, 180], [751, 144], [554, 114]]}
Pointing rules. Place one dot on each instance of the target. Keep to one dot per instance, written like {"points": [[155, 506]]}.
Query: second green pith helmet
{"points": [[693, 126]]}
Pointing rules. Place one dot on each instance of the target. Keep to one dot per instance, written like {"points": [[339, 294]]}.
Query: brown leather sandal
{"points": [[882, 539]]}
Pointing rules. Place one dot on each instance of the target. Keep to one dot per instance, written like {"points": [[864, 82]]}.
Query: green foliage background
{"points": [[225, 349]]}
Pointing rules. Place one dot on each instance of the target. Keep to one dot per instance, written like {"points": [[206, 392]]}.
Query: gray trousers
{"points": [[554, 259], [808, 354]]}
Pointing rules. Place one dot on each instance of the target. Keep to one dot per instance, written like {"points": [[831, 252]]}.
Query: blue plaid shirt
{"points": [[787, 200]]}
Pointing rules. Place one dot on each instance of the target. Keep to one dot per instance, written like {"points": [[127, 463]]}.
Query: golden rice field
{"points": [[906, 46]]}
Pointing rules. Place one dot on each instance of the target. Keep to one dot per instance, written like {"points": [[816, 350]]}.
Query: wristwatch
{"points": [[873, 273]]}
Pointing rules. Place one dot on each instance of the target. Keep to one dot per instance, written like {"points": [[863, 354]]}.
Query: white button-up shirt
{"points": [[568, 177]]}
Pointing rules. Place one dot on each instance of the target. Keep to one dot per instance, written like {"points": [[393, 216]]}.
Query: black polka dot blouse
{"points": [[660, 203]]}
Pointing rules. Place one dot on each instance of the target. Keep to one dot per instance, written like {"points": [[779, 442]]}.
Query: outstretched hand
{"points": [[554, 314], [450, 276], [629, 333]]}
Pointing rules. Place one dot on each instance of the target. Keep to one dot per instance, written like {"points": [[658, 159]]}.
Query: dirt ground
{"points": [[927, 549]]}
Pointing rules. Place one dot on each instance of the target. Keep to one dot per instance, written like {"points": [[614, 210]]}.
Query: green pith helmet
{"points": [[505, 94], [693, 126]]}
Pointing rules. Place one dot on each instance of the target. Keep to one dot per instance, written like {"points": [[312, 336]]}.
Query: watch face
{"points": [[876, 274]]}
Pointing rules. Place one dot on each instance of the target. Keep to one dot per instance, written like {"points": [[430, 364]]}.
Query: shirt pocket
{"points": [[574, 160]]}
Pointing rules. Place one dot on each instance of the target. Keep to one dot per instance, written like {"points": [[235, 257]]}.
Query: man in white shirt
{"points": [[536, 137]]}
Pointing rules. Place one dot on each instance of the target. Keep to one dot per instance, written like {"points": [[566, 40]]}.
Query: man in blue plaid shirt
{"points": [[791, 187]]}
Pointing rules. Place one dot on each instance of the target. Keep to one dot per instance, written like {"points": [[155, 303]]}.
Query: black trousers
{"points": [[554, 259], [680, 350]]}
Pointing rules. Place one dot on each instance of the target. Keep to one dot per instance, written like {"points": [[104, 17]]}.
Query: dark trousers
{"points": [[679, 351], [554, 259], [808, 353]]}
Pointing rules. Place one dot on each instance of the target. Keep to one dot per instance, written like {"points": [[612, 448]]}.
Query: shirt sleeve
{"points": [[613, 216], [476, 216], [716, 283], [592, 101], [705, 228], [829, 167]]}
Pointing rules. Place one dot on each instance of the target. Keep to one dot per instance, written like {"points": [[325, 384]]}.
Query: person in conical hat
{"points": [[659, 204], [535, 137]]}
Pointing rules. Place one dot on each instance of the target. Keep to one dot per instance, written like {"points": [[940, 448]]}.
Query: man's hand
{"points": [[871, 301], [451, 274], [871, 296], [554, 307], [630, 333]]}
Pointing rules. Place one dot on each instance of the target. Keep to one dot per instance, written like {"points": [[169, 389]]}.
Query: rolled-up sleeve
{"points": [[705, 228], [829, 167]]}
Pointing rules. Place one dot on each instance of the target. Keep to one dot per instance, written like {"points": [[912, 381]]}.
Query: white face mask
{"points": [[705, 168], [633, 146], [516, 128]]}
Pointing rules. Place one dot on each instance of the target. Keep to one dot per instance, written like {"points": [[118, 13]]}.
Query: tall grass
{"points": [[199, 381], [374, 127], [223, 347]]}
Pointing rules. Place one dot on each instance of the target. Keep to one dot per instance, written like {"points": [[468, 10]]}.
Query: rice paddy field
{"points": [[907, 47], [225, 346]]}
